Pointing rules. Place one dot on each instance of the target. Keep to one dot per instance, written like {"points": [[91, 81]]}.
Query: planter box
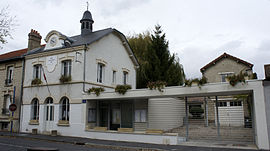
{"points": [[154, 131], [100, 129], [125, 129]]}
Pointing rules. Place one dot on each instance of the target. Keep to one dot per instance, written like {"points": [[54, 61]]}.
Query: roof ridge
{"points": [[225, 55]]}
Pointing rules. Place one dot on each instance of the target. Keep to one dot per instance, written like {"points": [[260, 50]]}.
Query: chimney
{"points": [[34, 40]]}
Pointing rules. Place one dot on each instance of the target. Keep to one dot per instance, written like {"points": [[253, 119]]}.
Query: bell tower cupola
{"points": [[86, 22]]}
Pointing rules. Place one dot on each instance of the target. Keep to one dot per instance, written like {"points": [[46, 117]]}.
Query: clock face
{"points": [[53, 41]]}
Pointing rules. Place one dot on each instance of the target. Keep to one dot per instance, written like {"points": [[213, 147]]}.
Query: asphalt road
{"points": [[21, 144]]}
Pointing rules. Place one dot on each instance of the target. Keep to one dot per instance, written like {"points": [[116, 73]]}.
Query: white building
{"points": [[93, 59]]}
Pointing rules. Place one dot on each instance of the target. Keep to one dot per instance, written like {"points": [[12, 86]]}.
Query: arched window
{"points": [[83, 25], [49, 109], [35, 109], [64, 109]]}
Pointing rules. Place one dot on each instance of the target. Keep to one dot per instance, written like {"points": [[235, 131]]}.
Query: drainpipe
{"points": [[21, 95], [84, 63]]}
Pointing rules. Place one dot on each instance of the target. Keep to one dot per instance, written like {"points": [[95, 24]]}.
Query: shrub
{"points": [[234, 79], [97, 91], [64, 79], [36, 81], [157, 85], [122, 89]]}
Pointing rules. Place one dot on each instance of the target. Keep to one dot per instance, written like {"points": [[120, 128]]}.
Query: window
{"points": [[7, 102], [114, 77], [35, 109], [87, 25], [100, 72], [92, 115], [222, 104], [140, 115], [49, 109], [64, 109], [66, 68], [224, 75], [125, 77], [9, 75], [83, 25], [116, 116], [37, 71], [235, 103]]}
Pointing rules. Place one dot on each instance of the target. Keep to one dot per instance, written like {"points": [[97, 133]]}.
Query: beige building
{"points": [[11, 73], [11, 68]]}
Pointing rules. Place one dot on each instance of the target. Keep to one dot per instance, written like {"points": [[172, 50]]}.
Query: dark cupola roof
{"points": [[86, 23]]}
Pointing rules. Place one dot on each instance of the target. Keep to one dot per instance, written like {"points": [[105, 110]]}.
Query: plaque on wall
{"points": [[51, 62]]}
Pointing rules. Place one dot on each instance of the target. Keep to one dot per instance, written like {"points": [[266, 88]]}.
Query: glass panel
{"points": [[47, 113], [91, 115], [126, 115], [116, 116]]}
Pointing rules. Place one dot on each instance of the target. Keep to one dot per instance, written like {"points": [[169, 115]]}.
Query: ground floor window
{"points": [[49, 109], [92, 117], [140, 115], [64, 109], [235, 103], [35, 109], [116, 116]]}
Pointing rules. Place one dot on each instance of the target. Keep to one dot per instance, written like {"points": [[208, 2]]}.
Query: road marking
{"points": [[13, 145]]}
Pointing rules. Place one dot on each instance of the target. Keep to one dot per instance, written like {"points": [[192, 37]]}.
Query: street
{"points": [[21, 144]]}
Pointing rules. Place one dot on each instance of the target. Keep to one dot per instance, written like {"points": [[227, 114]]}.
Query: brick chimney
{"points": [[34, 40]]}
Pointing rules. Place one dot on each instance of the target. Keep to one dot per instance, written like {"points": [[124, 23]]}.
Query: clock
{"points": [[53, 41]]}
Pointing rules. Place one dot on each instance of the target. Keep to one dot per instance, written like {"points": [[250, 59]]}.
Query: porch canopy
{"points": [[259, 89]]}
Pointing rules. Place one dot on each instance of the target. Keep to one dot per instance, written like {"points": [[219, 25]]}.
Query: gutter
{"points": [[84, 66], [21, 95]]}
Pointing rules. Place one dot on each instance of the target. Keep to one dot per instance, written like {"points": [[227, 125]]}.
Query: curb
{"points": [[104, 146]]}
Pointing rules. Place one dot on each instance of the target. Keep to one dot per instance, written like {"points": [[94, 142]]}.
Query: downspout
{"points": [[21, 95], [84, 64]]}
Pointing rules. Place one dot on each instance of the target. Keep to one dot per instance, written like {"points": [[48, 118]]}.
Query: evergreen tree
{"points": [[156, 63]]}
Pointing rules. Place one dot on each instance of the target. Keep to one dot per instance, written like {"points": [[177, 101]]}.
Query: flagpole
{"points": [[44, 76]]}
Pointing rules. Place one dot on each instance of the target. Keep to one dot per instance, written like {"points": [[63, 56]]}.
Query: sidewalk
{"points": [[130, 146]]}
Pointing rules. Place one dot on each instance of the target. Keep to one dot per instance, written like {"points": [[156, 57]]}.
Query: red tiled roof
{"points": [[225, 55], [13, 54]]}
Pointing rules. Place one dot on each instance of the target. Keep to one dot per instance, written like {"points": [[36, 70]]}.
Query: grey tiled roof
{"points": [[86, 40]]}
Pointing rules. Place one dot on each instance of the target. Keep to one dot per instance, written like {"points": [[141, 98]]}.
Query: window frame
{"points": [[37, 71], [9, 75], [64, 109], [100, 72], [35, 109], [66, 68], [141, 112], [125, 77], [92, 118]]}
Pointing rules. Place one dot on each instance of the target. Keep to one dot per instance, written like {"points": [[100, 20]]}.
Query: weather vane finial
{"points": [[87, 4]]}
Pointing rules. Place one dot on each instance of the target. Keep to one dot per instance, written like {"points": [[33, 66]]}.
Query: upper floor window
{"points": [[37, 71], [114, 77], [9, 75], [66, 68], [225, 75], [35, 109], [100, 72], [125, 77], [64, 109]]}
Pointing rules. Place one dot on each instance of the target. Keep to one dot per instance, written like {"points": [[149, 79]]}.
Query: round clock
{"points": [[53, 41]]}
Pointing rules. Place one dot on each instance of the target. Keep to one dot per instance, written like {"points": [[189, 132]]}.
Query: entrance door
{"points": [[49, 114]]}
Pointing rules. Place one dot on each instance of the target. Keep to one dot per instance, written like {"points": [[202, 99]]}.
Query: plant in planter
{"points": [[122, 89], [97, 91], [64, 79], [188, 82], [234, 79], [202, 81], [196, 111], [36, 81], [157, 85], [197, 81]]}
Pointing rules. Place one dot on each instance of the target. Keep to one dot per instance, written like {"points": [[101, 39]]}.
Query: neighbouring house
{"points": [[11, 72], [232, 109]]}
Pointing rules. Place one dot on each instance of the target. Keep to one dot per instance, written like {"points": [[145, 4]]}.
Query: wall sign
{"points": [[51, 62]]}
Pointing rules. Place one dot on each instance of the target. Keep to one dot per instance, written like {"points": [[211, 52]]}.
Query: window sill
{"points": [[63, 123], [33, 122]]}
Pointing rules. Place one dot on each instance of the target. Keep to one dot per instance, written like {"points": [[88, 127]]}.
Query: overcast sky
{"points": [[197, 30]]}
